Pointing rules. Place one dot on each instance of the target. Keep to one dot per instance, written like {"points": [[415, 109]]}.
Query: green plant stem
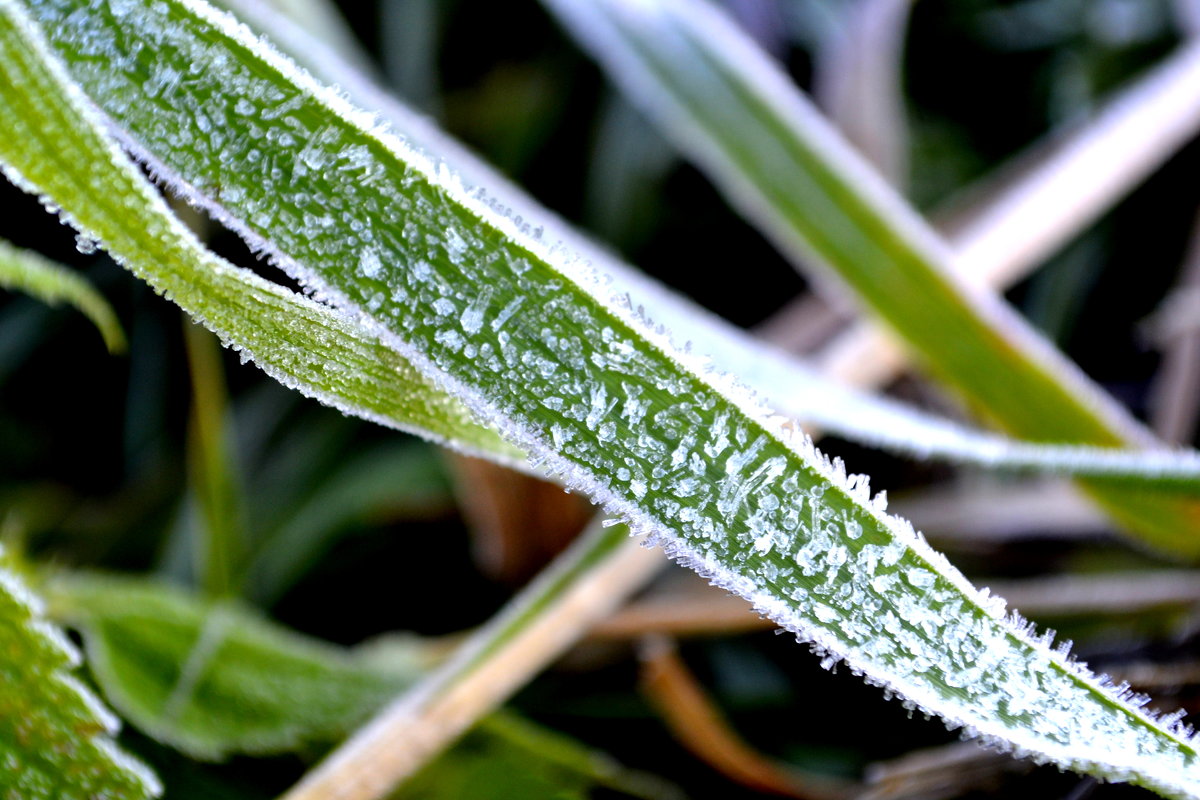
{"points": [[215, 481]]}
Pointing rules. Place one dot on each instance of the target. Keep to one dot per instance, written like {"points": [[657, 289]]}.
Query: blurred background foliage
{"points": [[103, 463]]}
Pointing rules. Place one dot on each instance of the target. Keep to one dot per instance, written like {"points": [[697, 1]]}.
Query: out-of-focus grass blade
{"points": [[55, 736], [211, 678], [1012, 220], [582, 586], [782, 164], [215, 483], [53, 283], [215, 679], [583, 385], [1175, 395], [411, 31], [858, 77], [324, 20], [506, 756]]}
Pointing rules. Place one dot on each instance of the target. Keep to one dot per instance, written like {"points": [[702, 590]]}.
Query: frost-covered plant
{"points": [[438, 309]]}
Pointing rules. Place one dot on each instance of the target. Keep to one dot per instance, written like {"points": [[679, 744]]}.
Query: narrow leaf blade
{"points": [[583, 385], [55, 736], [53, 283]]}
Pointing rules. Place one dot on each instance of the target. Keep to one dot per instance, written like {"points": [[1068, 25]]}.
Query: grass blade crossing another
{"points": [[580, 383], [734, 111]]}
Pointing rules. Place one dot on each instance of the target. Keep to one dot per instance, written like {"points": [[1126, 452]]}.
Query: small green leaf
{"points": [[55, 736], [212, 678], [53, 283]]}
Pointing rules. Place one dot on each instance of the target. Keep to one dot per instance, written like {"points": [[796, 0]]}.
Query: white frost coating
{"points": [[992, 662], [787, 383]]}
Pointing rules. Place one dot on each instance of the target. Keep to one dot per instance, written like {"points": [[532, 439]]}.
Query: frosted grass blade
{"points": [[399, 397], [55, 735], [300, 343], [788, 384], [727, 105], [581, 384], [53, 283]]}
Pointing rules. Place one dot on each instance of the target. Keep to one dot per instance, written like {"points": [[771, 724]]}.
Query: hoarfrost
{"points": [[692, 450], [369, 263]]}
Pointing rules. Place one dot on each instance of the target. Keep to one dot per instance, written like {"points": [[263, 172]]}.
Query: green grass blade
{"points": [[213, 475], [788, 384], [1026, 210], [859, 83], [53, 283], [735, 112], [55, 736], [403, 475], [580, 383], [506, 756]]}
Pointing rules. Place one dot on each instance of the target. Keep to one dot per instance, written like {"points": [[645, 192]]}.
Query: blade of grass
{"points": [[858, 78], [785, 382], [780, 163], [301, 343], [53, 284], [1070, 178], [404, 477], [216, 679], [976, 513], [582, 586], [1175, 394], [747, 505], [324, 20], [213, 474], [212, 678]]}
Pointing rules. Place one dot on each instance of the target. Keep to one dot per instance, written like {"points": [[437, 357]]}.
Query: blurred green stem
{"points": [[212, 472]]}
